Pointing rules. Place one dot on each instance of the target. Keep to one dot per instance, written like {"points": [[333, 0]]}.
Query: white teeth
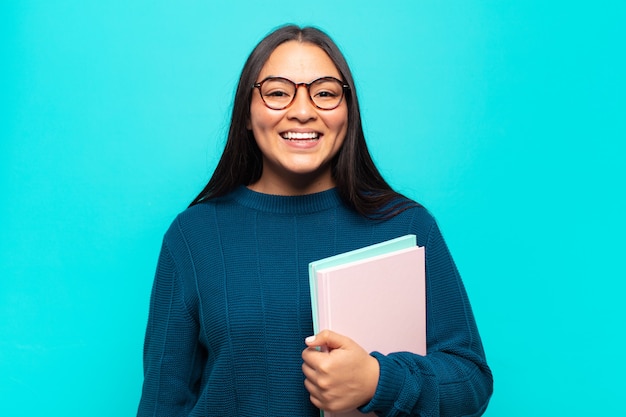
{"points": [[300, 136]]}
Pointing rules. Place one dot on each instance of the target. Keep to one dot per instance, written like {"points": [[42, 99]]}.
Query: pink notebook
{"points": [[379, 302]]}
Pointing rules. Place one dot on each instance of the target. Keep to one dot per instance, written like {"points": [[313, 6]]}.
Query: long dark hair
{"points": [[358, 181]]}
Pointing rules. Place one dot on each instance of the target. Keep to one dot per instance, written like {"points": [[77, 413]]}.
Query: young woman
{"points": [[229, 328]]}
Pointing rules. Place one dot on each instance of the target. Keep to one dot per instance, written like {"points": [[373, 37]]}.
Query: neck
{"points": [[300, 186]]}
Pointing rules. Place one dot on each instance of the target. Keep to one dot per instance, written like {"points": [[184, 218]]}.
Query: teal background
{"points": [[505, 118]]}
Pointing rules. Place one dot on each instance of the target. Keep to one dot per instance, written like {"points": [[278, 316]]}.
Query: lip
{"points": [[300, 135], [306, 142]]}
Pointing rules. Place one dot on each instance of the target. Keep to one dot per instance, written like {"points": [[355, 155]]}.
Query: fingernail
{"points": [[310, 339]]}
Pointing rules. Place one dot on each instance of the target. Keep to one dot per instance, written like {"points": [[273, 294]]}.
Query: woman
{"points": [[229, 330]]}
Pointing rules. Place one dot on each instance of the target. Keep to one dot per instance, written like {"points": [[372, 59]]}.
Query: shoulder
{"points": [[197, 218], [413, 218], [409, 210], [191, 224], [188, 220]]}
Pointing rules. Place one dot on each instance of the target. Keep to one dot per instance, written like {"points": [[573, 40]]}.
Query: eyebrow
{"points": [[338, 77]]}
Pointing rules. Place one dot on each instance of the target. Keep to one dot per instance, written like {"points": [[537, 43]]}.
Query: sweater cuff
{"points": [[390, 383]]}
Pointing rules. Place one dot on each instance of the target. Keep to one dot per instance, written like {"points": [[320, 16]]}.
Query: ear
{"points": [[248, 124]]}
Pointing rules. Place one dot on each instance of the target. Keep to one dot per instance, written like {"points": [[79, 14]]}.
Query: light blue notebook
{"points": [[382, 248]]}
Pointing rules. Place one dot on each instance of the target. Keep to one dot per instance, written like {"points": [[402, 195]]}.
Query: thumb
{"points": [[327, 338]]}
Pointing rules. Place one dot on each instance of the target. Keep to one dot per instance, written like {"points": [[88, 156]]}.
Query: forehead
{"points": [[299, 62]]}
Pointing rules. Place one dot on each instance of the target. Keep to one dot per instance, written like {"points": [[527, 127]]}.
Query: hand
{"points": [[342, 375]]}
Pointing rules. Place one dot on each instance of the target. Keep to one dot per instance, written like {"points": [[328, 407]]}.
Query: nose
{"points": [[302, 109]]}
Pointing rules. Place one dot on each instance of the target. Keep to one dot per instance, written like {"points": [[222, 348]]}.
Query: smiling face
{"points": [[299, 142]]}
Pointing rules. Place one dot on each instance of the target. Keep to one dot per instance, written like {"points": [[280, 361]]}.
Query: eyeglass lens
{"points": [[278, 93]]}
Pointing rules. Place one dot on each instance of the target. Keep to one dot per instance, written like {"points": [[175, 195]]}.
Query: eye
{"points": [[277, 89], [326, 94], [276, 93], [326, 89]]}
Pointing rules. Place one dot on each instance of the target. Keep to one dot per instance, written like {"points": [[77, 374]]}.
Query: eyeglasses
{"points": [[278, 93]]}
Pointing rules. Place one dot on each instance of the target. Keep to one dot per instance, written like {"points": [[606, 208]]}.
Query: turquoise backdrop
{"points": [[505, 118]]}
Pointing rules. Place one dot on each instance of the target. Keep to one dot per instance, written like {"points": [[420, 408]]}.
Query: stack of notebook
{"points": [[373, 295]]}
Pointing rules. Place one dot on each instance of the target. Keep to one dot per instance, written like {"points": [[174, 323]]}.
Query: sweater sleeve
{"points": [[171, 354], [453, 379]]}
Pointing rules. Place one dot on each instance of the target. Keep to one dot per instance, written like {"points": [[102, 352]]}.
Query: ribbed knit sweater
{"points": [[230, 309]]}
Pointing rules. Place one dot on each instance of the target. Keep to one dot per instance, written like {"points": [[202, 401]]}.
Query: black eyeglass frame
{"points": [[344, 87]]}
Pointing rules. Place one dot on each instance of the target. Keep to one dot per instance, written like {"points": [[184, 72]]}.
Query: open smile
{"points": [[300, 136]]}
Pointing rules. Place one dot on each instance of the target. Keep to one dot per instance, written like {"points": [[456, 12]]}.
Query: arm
{"points": [[172, 360], [453, 379]]}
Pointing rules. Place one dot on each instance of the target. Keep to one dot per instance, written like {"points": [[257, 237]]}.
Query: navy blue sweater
{"points": [[230, 309]]}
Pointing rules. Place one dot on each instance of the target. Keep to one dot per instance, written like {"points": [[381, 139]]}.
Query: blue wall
{"points": [[505, 118]]}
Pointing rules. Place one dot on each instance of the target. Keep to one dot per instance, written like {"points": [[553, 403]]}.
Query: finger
{"points": [[308, 371], [312, 355], [327, 338], [313, 394], [314, 341], [317, 395], [311, 386]]}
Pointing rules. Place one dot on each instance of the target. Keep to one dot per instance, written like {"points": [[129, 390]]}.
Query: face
{"points": [[299, 142]]}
